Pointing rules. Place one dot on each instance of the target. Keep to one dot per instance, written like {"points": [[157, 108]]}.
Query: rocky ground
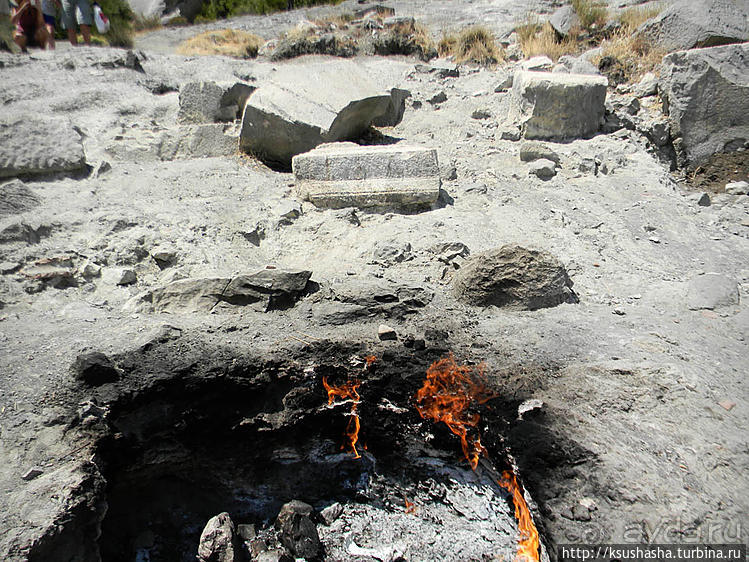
{"points": [[642, 380]]}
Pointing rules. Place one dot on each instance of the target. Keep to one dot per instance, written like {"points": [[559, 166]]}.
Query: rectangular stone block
{"points": [[557, 106], [338, 175]]}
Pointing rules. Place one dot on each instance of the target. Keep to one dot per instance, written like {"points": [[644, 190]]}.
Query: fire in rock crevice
{"points": [[347, 391], [448, 392]]}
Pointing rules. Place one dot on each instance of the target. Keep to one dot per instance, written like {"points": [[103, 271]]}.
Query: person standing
{"points": [[49, 13], [77, 11]]}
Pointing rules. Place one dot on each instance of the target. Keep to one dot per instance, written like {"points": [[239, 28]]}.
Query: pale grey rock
{"points": [[206, 102], [385, 332], [510, 133], [563, 20], [737, 188], [16, 198], [557, 106], [577, 65], [197, 141], [164, 256], [513, 277], [90, 269], [331, 513], [389, 253], [297, 531], [292, 113], [712, 291], [268, 289], [544, 169], [217, 541], [32, 473], [706, 97], [505, 83], [534, 150], [647, 86], [31, 144], [119, 276], [540, 63], [345, 175], [698, 23]]}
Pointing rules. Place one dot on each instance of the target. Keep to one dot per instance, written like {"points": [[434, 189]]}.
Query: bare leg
{"points": [[86, 31], [72, 37], [50, 37]]}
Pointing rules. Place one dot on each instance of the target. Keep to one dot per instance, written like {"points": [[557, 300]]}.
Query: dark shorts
{"points": [[49, 20]]}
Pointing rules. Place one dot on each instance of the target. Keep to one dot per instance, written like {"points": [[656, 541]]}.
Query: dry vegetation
{"points": [[630, 55], [226, 42], [142, 23], [627, 57], [475, 44], [536, 39]]}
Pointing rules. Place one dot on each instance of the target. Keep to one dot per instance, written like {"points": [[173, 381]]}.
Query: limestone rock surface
{"points": [[340, 175], [30, 144], [557, 106], [706, 96]]}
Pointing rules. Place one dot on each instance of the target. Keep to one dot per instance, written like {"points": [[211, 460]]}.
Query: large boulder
{"points": [[513, 277], [557, 106], [307, 104], [698, 23], [30, 145], [341, 175], [706, 97], [218, 542]]}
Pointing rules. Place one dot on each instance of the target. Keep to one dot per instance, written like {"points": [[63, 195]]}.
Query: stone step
{"points": [[338, 175]]}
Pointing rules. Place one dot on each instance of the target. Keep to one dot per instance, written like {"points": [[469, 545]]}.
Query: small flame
{"points": [[370, 359], [410, 506], [447, 393], [528, 541], [347, 391]]}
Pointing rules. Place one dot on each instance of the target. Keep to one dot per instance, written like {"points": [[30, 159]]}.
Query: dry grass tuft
{"points": [[141, 23], [225, 42], [541, 39], [475, 44], [628, 57], [590, 12], [634, 17]]}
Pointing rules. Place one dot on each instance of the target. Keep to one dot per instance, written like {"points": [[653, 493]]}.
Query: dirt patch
{"points": [[720, 169]]}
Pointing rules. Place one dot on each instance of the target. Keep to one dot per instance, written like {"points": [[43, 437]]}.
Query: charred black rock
{"points": [[94, 369], [298, 532]]}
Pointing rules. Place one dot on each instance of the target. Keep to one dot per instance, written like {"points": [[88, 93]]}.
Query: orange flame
{"points": [[528, 541], [410, 506], [370, 359], [347, 391], [448, 391]]}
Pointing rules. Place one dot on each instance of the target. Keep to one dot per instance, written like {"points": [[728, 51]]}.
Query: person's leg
{"points": [[85, 19], [68, 18], [86, 32], [49, 23]]}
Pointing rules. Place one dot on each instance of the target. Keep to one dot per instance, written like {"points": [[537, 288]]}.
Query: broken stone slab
{"points": [[576, 65], [218, 541], [209, 101], [540, 63], [698, 23], [705, 94], [307, 104], [737, 188], [348, 175], [269, 289], [712, 291], [513, 277], [30, 144], [557, 106]]}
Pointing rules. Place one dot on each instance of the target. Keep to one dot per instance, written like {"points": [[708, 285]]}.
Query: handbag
{"points": [[100, 19]]}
